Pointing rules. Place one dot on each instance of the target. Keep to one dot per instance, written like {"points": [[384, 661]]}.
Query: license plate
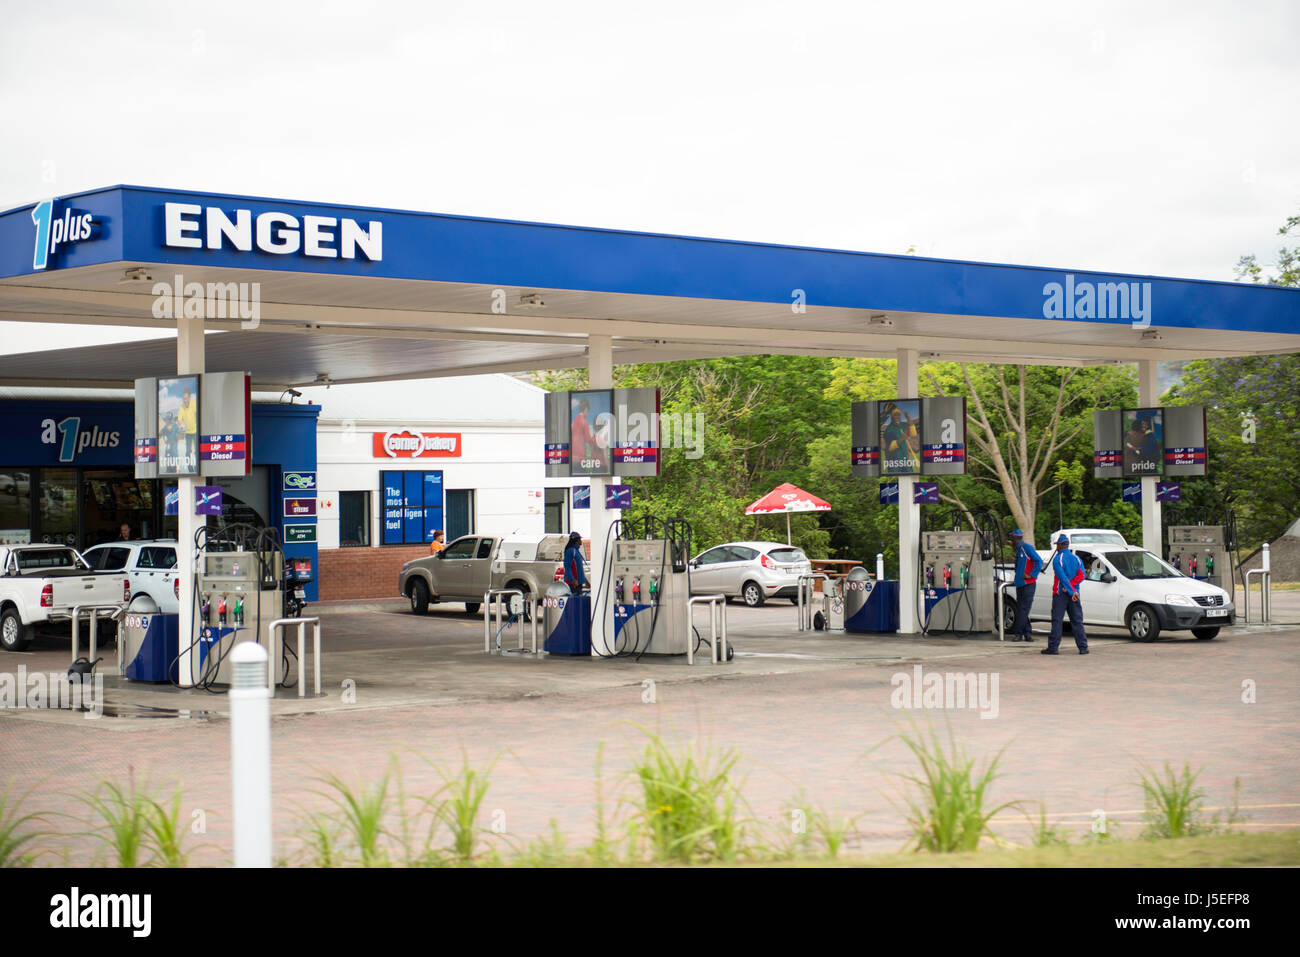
{"points": [[1216, 612], [299, 593]]}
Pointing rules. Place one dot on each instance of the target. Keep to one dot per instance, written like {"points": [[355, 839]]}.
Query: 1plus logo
{"points": [[52, 232], [71, 439]]}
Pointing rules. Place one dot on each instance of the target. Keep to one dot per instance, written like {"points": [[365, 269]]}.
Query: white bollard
{"points": [[250, 755], [1264, 558], [880, 566]]}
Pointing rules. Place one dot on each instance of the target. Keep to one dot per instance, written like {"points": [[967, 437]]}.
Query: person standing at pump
{"points": [[574, 576], [1068, 572], [1028, 564]]}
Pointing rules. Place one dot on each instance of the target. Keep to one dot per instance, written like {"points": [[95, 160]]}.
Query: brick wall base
{"points": [[363, 572]]}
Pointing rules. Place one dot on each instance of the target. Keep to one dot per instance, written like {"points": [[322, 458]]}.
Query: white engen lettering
{"points": [[191, 226]]}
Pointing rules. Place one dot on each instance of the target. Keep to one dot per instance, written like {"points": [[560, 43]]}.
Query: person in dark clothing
{"points": [[574, 575], [1028, 564]]}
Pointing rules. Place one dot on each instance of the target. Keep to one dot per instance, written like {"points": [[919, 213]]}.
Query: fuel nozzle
{"points": [[205, 608], [221, 610], [1177, 563], [1191, 565], [965, 574], [654, 588], [239, 610], [929, 576], [1209, 564], [947, 575], [636, 589], [618, 589]]}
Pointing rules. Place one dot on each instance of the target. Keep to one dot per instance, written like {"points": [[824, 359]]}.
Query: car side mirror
{"points": [[1107, 577]]}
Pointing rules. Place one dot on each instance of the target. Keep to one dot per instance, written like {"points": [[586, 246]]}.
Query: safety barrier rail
{"points": [[1265, 595], [803, 586], [96, 612], [492, 598], [1001, 608], [301, 624], [717, 627]]}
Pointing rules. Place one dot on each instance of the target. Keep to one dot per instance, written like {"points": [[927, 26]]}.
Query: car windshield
{"points": [[1139, 565], [787, 555], [1096, 538], [49, 558]]}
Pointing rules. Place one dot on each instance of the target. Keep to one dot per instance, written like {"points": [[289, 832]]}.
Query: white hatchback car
{"points": [[751, 571], [1128, 587], [150, 567]]}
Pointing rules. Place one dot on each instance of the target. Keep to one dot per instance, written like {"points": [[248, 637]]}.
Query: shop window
{"points": [[354, 519], [460, 513], [56, 508], [557, 511], [113, 498], [15, 507]]}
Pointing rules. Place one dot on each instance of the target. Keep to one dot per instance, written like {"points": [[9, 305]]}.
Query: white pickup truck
{"points": [[43, 583]]}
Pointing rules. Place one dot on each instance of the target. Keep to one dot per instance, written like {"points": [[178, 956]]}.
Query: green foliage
{"points": [[137, 829], [14, 834], [689, 808], [362, 812], [1046, 834], [949, 809], [466, 788], [1174, 806]]}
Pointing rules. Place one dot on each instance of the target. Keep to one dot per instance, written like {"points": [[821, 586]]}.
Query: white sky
{"points": [[1154, 138]]}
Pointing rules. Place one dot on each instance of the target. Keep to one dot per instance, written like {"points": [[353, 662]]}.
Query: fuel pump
{"points": [[243, 583], [958, 594], [1201, 545]]}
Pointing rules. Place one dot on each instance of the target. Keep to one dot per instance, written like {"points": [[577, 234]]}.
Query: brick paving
{"points": [[1074, 729]]}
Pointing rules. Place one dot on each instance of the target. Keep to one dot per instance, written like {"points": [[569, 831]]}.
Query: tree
{"points": [[1028, 428]]}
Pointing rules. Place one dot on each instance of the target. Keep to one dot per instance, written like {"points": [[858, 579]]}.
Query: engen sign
{"points": [[410, 444]]}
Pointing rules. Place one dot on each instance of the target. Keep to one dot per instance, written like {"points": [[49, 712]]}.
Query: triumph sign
{"points": [[410, 444]]}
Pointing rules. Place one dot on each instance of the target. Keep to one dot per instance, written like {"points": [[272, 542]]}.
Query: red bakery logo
{"points": [[409, 444]]}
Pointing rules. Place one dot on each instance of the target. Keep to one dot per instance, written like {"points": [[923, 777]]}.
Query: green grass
{"points": [[362, 813], [949, 808], [137, 829], [14, 830]]}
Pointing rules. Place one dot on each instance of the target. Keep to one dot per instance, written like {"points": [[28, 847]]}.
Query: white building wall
{"points": [[500, 460]]}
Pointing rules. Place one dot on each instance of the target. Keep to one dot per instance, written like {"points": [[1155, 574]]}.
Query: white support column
{"points": [[909, 516], [600, 375], [189, 361], [1149, 396]]}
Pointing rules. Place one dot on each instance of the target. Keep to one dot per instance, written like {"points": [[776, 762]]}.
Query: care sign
{"points": [[411, 444]]}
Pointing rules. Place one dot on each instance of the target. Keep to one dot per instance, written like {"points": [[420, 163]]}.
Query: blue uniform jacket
{"points": [[1028, 564], [573, 573], [1068, 571]]}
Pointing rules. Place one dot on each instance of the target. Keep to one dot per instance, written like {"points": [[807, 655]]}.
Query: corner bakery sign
{"points": [[410, 444]]}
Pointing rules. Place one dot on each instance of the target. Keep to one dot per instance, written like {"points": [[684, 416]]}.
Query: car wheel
{"points": [[472, 607], [419, 598], [14, 635], [1143, 625], [1010, 612], [1205, 634], [752, 594]]}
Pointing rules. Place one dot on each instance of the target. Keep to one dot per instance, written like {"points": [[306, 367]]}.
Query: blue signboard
{"points": [[888, 493], [300, 481], [618, 496], [412, 506], [925, 493], [1165, 492], [582, 496]]}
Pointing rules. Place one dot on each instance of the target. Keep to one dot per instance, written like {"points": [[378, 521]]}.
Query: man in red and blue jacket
{"points": [[1068, 574], [1028, 564]]}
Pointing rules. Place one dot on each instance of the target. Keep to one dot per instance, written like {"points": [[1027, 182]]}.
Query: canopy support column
{"points": [[600, 375], [190, 358], [1149, 397], [909, 514]]}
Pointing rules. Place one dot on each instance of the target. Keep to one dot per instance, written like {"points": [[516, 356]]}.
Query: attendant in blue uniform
{"points": [[1068, 574], [574, 576], [1028, 564]]}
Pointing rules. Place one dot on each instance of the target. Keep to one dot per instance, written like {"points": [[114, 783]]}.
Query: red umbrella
{"points": [[787, 498]]}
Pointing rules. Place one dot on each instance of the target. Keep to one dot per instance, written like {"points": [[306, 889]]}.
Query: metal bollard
{"points": [[250, 755]]}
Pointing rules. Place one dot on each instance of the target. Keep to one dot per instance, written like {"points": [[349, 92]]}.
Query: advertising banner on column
{"points": [[943, 436], [1143, 442], [178, 425], [226, 441], [636, 442], [899, 421], [866, 440], [1107, 451], [1185, 447], [146, 428], [557, 434]]}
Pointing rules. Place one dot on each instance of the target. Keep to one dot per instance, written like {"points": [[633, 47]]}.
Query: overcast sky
{"points": [[1154, 138]]}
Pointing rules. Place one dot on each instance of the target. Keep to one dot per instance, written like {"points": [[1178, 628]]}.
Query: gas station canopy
{"points": [[345, 294]]}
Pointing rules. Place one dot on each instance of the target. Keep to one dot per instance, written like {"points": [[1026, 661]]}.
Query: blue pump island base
{"points": [[879, 612], [572, 634]]}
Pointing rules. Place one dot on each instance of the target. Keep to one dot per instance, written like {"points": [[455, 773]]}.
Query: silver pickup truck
{"points": [[43, 583], [473, 564]]}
